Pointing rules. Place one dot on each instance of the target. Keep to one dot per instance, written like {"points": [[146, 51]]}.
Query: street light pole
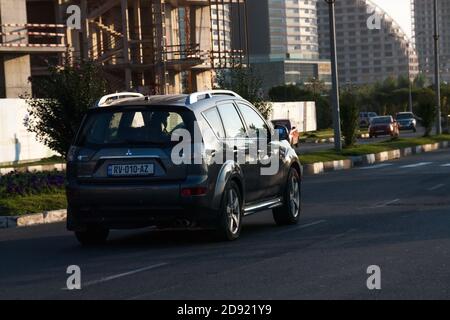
{"points": [[335, 80], [436, 70]]}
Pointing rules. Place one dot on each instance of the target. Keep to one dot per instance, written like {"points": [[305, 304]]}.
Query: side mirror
{"points": [[283, 133]]}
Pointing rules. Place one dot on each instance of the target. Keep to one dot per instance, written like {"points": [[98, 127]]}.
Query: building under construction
{"points": [[150, 46]]}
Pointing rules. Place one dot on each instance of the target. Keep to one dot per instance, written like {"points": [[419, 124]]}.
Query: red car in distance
{"points": [[386, 125]]}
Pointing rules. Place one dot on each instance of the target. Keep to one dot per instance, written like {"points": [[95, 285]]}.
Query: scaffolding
{"points": [[162, 46]]}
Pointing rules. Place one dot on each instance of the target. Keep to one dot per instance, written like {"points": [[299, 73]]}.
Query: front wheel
{"points": [[289, 213], [230, 217]]}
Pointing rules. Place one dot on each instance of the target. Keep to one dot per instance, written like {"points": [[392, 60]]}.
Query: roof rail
{"points": [[195, 97], [110, 98]]}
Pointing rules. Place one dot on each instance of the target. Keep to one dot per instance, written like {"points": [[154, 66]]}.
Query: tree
{"points": [[324, 112], [401, 99], [315, 86], [289, 93], [349, 117], [246, 83], [66, 96], [445, 105], [420, 81], [402, 82], [426, 109]]}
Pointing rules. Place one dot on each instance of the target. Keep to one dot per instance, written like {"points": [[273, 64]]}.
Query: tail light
{"points": [[197, 191]]}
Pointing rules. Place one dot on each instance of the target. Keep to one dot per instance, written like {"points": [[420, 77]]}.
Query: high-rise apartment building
{"points": [[283, 42], [368, 50], [423, 32]]}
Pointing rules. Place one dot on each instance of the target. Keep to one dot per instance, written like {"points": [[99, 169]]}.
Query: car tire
{"points": [[92, 236], [289, 212], [229, 222]]}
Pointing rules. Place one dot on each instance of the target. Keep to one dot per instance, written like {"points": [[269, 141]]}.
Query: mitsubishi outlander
{"points": [[126, 168]]}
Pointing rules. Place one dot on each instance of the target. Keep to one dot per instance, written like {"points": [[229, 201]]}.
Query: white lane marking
{"points": [[120, 275], [438, 186], [445, 165], [378, 166], [304, 226], [385, 204], [420, 164], [311, 224]]}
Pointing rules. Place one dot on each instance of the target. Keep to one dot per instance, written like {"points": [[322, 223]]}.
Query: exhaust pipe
{"points": [[182, 223]]}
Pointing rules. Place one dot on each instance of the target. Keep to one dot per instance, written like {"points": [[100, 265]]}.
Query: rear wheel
{"points": [[289, 213], [92, 236], [230, 220]]}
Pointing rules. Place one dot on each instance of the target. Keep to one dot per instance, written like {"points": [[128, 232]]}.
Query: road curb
{"points": [[35, 168], [358, 161], [33, 219]]}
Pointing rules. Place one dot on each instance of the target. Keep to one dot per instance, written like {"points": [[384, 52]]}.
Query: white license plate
{"points": [[131, 170]]}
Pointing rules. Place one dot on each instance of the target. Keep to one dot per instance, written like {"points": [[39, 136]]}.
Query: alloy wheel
{"points": [[233, 211], [294, 196]]}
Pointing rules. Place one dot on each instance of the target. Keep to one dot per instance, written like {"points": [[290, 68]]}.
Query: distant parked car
{"points": [[365, 118], [406, 121], [444, 119], [294, 135], [283, 122], [385, 125]]}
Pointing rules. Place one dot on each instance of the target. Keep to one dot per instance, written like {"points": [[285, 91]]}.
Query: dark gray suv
{"points": [[202, 160]]}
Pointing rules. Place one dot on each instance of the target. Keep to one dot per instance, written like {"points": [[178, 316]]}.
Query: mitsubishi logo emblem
{"points": [[129, 153]]}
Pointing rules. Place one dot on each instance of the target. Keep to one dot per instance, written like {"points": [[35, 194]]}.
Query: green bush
{"points": [[426, 109], [349, 117], [324, 113]]}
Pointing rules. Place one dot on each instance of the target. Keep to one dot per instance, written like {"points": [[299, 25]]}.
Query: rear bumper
{"points": [[132, 206], [79, 219], [378, 132], [407, 127]]}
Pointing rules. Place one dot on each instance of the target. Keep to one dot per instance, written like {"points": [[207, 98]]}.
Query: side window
{"points": [[138, 120], [212, 115], [255, 123], [174, 122], [234, 127]]}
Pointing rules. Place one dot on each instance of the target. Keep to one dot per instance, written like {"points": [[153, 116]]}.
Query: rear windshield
{"points": [[133, 127], [382, 120]]}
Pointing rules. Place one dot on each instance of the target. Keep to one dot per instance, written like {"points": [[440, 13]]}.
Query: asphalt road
{"points": [[312, 147], [395, 215]]}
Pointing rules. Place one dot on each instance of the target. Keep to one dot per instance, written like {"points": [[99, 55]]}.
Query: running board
{"points": [[263, 205]]}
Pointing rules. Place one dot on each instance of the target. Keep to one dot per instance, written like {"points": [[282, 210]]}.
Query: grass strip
{"points": [[363, 149]]}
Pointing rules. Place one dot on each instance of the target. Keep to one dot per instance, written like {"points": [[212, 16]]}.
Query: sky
{"points": [[399, 10]]}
